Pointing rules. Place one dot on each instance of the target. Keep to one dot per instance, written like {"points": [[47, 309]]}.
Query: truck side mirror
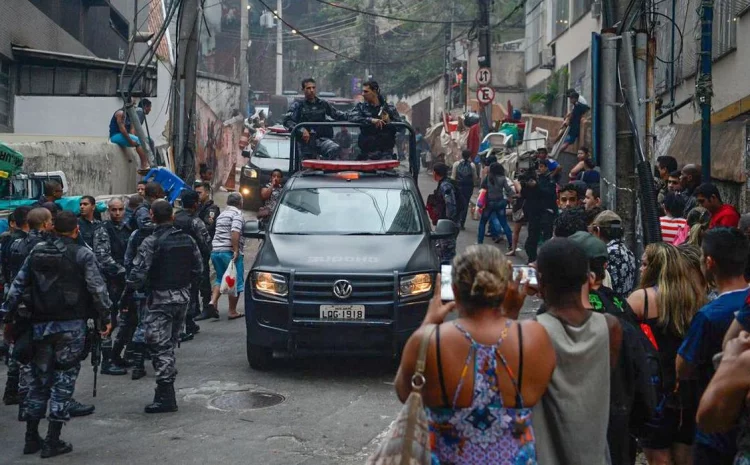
{"points": [[445, 229], [251, 229]]}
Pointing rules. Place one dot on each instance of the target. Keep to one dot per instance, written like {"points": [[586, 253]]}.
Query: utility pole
{"points": [[183, 114], [704, 86], [484, 56], [607, 103], [279, 49], [245, 11]]}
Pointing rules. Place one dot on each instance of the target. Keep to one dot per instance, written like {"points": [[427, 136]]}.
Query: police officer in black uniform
{"points": [[317, 140], [208, 212], [61, 285], [377, 137], [110, 243], [168, 262], [187, 220]]}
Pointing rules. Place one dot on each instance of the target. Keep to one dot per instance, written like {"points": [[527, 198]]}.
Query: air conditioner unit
{"points": [[548, 59], [596, 9]]}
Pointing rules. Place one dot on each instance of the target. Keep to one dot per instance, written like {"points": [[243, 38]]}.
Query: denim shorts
{"points": [[221, 260]]}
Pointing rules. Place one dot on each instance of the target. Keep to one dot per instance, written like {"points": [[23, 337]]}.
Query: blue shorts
{"points": [[221, 260], [119, 139], [570, 138]]}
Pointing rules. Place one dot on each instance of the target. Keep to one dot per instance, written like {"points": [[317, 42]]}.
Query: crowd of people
{"points": [[622, 356], [144, 277]]}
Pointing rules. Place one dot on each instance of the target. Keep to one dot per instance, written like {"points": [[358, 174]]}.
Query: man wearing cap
{"points": [[621, 265]]}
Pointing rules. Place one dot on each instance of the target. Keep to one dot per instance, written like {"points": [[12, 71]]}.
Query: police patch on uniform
{"points": [[211, 216]]}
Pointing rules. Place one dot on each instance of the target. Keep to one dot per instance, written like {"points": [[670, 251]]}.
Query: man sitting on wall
{"points": [[121, 133]]}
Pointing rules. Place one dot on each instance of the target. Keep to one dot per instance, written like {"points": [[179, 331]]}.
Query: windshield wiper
{"points": [[364, 234]]}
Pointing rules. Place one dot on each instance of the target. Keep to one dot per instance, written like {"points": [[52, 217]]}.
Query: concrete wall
{"points": [[23, 24], [86, 116], [434, 89], [93, 167], [222, 96]]}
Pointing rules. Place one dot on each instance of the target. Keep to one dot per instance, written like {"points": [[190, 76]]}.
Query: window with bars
{"points": [[580, 78], [88, 82], [561, 16], [724, 28], [5, 93], [534, 40]]}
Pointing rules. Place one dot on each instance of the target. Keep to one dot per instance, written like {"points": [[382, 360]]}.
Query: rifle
{"points": [[96, 349]]}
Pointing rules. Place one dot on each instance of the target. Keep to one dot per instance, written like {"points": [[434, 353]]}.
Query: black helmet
{"points": [[471, 118]]}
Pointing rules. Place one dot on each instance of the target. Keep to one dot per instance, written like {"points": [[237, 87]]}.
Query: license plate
{"points": [[342, 312]]}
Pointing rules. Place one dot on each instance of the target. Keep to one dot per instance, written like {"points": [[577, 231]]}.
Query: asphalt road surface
{"points": [[316, 411]]}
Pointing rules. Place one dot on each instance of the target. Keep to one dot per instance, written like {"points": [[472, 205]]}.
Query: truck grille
{"points": [[319, 288]]}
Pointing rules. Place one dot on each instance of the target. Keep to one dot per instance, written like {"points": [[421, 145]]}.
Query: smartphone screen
{"points": [[446, 287], [526, 273]]}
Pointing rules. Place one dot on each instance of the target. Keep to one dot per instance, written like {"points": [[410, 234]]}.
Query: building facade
{"points": [[556, 48], [60, 57]]}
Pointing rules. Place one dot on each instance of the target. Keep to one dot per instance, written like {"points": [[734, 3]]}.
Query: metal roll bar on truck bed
{"points": [[295, 161]]}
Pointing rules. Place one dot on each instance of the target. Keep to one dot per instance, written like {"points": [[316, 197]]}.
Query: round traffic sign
{"points": [[485, 95], [484, 76]]}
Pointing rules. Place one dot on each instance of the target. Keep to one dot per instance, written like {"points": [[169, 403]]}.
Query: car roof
{"points": [[309, 179]]}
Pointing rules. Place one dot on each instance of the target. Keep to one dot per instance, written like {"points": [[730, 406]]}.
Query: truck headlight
{"points": [[249, 172], [415, 285], [271, 284]]}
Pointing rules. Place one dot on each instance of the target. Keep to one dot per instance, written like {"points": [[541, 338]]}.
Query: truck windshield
{"points": [[347, 211], [273, 147]]}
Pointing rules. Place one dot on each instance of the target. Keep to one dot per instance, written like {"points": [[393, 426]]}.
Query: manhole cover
{"points": [[247, 400]]}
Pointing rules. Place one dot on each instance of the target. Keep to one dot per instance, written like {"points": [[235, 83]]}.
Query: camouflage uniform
{"points": [[58, 346], [19, 372], [447, 247], [375, 143], [208, 213], [320, 137], [192, 224], [88, 230], [165, 314]]}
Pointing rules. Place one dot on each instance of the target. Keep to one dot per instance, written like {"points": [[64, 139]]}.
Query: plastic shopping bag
{"points": [[482, 198], [229, 280]]}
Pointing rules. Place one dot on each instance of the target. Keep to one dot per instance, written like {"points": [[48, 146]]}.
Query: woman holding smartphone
{"points": [[481, 362]]}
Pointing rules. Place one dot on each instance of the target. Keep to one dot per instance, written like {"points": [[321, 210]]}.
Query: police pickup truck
{"points": [[347, 264]]}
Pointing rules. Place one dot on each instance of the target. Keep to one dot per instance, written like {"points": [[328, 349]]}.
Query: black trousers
{"points": [[466, 192], [540, 228]]}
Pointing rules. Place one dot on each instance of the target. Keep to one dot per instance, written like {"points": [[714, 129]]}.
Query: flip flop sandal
{"points": [[241, 315], [143, 171]]}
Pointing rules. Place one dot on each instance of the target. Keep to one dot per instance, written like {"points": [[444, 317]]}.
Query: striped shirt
{"points": [[670, 228], [229, 221]]}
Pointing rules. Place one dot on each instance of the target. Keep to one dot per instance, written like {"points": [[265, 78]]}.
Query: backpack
{"points": [[643, 372], [465, 174]]}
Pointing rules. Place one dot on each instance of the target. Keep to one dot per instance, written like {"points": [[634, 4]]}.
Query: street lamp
{"points": [[315, 47]]}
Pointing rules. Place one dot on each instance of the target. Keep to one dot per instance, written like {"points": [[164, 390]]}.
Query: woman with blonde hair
{"points": [[482, 363], [669, 296], [698, 220]]}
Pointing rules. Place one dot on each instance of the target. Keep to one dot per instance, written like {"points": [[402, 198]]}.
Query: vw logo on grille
{"points": [[342, 289]]}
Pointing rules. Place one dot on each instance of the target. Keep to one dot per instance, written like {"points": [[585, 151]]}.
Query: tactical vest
{"points": [[20, 250], [184, 222], [118, 240], [172, 264], [315, 112], [5, 247], [58, 284]]}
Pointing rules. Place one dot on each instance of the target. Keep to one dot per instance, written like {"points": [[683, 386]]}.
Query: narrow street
{"points": [[332, 411]]}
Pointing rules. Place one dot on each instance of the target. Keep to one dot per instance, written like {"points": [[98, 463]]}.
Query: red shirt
{"points": [[725, 217]]}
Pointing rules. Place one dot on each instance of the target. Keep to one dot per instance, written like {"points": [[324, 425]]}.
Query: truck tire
{"points": [[260, 358]]}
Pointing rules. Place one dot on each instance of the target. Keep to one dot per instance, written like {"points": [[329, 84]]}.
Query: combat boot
{"points": [[77, 409], [139, 367], [10, 396], [108, 366], [117, 358], [129, 353], [53, 446], [32, 441], [164, 399]]}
